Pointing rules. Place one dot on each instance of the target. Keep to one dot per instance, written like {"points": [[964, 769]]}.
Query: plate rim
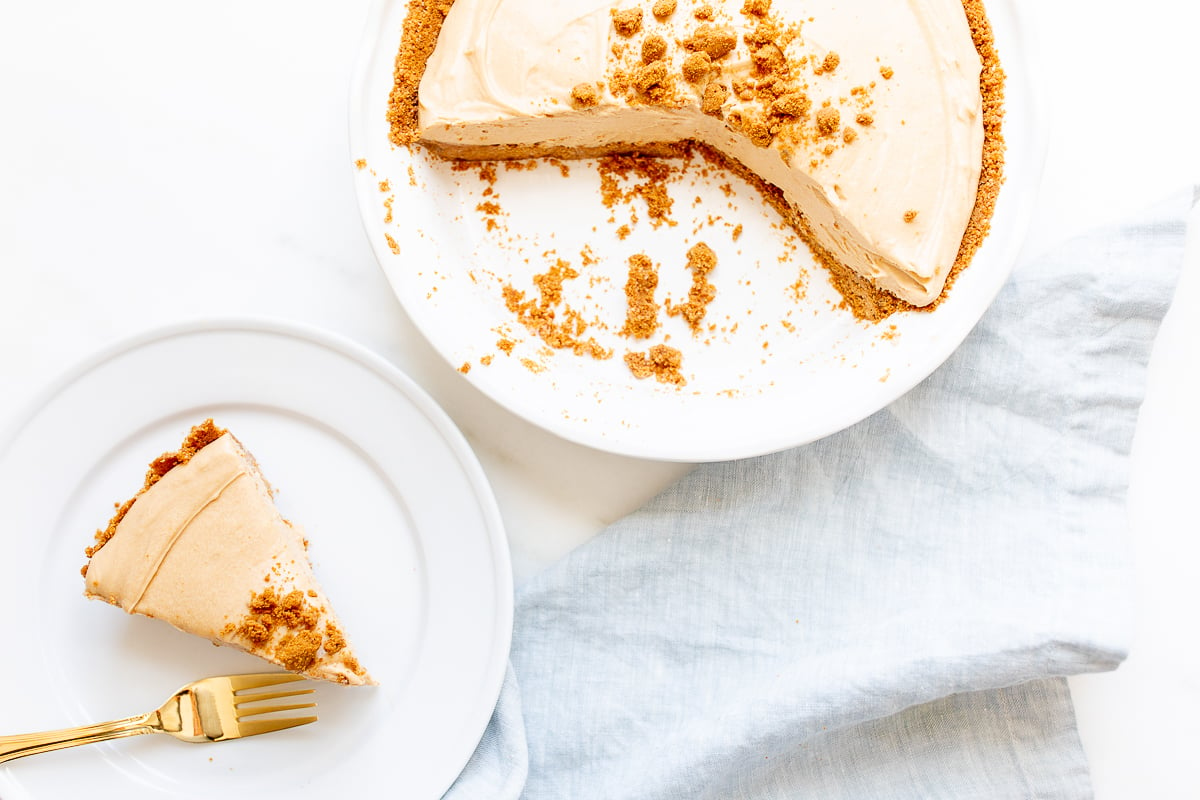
{"points": [[347, 348], [1023, 47]]}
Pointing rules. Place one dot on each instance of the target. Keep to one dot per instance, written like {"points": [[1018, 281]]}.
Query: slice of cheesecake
{"points": [[864, 123], [203, 547]]}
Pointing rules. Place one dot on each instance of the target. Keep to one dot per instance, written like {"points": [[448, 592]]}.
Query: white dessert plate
{"points": [[780, 370], [405, 537]]}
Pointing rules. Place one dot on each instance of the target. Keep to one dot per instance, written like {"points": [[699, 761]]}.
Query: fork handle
{"points": [[30, 743]]}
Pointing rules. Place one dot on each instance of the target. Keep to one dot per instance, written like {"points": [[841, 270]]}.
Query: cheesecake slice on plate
{"points": [[203, 547]]}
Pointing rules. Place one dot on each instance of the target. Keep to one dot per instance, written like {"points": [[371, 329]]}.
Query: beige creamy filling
{"points": [[168, 543]]}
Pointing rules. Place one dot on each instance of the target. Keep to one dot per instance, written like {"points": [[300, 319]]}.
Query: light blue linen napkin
{"points": [[885, 613]]}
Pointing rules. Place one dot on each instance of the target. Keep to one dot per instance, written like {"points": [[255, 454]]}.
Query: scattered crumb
{"points": [[651, 186], [490, 210], [641, 314], [541, 315], [700, 260], [661, 361]]}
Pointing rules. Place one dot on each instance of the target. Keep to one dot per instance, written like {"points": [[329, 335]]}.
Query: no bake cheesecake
{"points": [[203, 547], [873, 126]]}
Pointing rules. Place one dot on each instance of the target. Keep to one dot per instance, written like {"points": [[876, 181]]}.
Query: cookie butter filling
{"points": [[873, 126], [204, 548]]}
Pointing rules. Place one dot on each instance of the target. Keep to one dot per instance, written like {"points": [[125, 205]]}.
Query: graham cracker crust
{"points": [[423, 23]]}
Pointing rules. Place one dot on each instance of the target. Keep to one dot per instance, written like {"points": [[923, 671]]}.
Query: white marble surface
{"points": [[162, 161]]}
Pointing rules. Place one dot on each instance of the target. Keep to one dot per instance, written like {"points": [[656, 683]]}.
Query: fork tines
{"points": [[244, 708], [257, 680]]}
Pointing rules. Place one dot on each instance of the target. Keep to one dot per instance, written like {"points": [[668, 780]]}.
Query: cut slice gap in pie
{"points": [[873, 128]]}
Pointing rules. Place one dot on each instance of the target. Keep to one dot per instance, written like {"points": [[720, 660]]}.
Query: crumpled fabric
{"points": [[888, 612]]}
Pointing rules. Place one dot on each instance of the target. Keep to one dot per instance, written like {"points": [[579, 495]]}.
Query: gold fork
{"points": [[208, 710]]}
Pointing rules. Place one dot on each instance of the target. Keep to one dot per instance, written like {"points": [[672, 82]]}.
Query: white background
{"points": [[164, 161]]}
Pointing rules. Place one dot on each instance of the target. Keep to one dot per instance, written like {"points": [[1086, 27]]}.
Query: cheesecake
{"points": [[203, 547], [872, 126]]}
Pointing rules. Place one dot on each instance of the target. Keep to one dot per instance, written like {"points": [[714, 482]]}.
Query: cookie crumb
{"points": [[715, 95], [700, 260], [661, 361], [887, 73], [653, 48], [756, 8], [910, 215], [649, 76], [641, 315], [546, 316], [696, 66], [663, 9], [627, 21], [711, 39], [297, 653], [758, 131], [795, 104], [584, 95], [828, 121], [335, 640]]}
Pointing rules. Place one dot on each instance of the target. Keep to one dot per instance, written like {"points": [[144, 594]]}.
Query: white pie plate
{"points": [[791, 372], [405, 537]]}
